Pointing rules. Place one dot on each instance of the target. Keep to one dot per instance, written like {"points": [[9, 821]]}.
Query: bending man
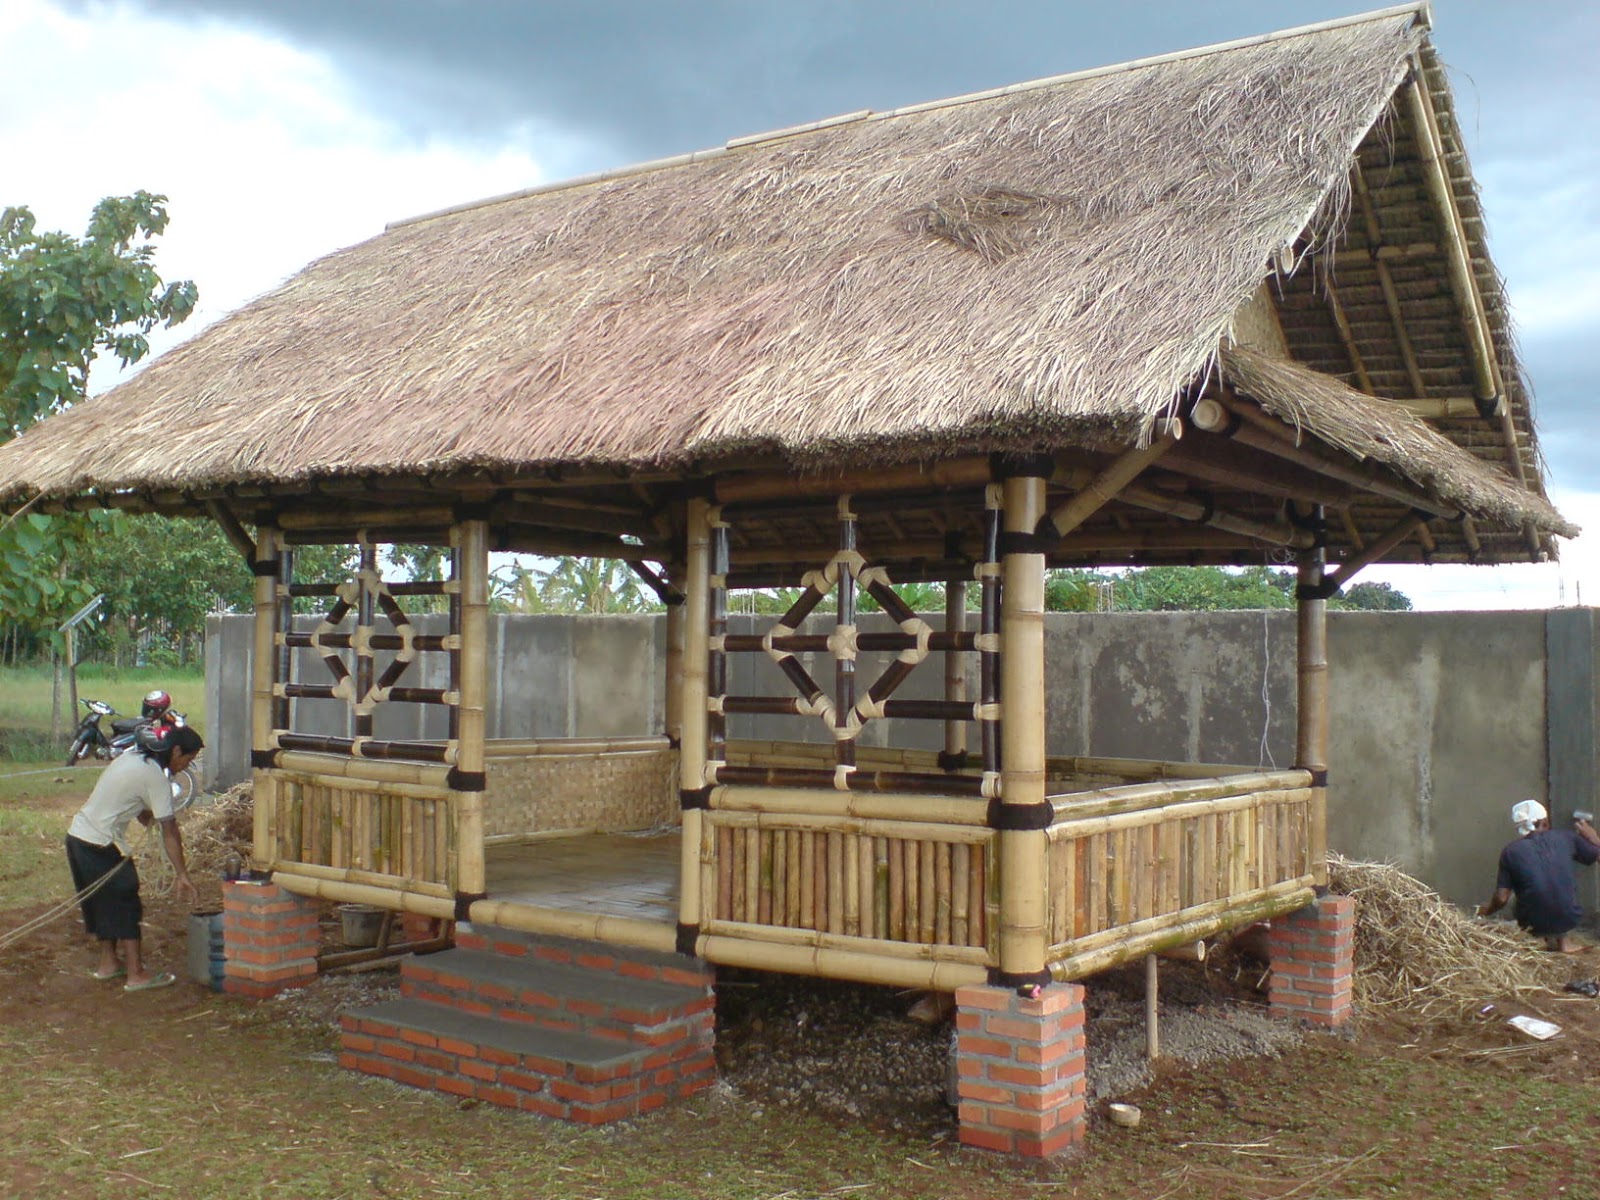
{"points": [[137, 785], [1537, 867]]}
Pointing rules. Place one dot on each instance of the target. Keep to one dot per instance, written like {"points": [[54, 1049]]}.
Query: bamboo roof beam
{"points": [[1224, 464], [1347, 336], [1488, 385], [971, 471], [1375, 550], [1103, 488], [1391, 298], [1279, 533], [238, 537], [1262, 431], [1351, 256]]}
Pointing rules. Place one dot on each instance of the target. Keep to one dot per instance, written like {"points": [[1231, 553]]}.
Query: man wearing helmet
{"points": [[1537, 868], [137, 785]]}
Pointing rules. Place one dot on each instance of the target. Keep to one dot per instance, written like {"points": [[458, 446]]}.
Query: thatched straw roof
{"points": [[1045, 266]]}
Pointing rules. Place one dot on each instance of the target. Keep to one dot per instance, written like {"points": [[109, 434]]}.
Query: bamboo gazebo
{"points": [[1227, 306]]}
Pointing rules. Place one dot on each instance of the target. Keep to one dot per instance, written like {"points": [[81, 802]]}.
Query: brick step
{"points": [[557, 1073], [556, 995], [628, 961]]}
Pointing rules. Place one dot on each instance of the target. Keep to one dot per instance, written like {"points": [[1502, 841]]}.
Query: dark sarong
{"points": [[115, 910]]}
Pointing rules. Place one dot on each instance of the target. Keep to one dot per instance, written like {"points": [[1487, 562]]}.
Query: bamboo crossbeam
{"points": [[360, 893], [747, 750], [371, 770], [390, 881], [238, 537], [838, 823], [882, 806], [855, 781], [1145, 817], [571, 923], [1129, 797], [817, 643], [537, 747], [1141, 768], [779, 935], [830, 963], [940, 476], [1088, 955], [415, 791], [428, 752]]}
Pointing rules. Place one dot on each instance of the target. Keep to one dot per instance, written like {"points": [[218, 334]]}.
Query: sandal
{"points": [[165, 979], [103, 976]]}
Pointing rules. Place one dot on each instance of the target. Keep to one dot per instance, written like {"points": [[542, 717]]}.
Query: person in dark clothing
{"points": [[1537, 868]]}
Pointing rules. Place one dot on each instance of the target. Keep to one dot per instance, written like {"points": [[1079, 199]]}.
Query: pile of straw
{"points": [[1417, 953], [216, 835]]}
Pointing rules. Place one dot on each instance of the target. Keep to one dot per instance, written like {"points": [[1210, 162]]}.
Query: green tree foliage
{"points": [[64, 301], [574, 585], [1199, 589]]}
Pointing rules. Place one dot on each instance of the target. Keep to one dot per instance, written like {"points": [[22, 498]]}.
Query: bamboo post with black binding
{"points": [[1023, 814], [1311, 720], [955, 675], [692, 706], [263, 672], [467, 779]]}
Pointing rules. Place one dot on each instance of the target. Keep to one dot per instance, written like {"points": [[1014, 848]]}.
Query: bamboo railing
{"points": [[1141, 867], [391, 834], [891, 875]]}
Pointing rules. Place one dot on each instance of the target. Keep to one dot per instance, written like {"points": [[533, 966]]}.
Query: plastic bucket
{"points": [[360, 923], [206, 965]]}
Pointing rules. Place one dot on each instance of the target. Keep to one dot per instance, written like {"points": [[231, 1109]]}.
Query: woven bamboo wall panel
{"points": [[1141, 866], [851, 884], [365, 832], [609, 791]]}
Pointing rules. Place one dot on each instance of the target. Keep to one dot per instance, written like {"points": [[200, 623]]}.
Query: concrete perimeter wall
{"points": [[1440, 721]]}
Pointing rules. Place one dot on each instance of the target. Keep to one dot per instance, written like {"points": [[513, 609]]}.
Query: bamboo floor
{"points": [[616, 874]]}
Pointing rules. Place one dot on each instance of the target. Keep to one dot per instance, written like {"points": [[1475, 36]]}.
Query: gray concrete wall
{"points": [[1438, 724]]}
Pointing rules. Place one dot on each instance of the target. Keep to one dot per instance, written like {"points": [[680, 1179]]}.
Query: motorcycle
{"points": [[91, 740]]}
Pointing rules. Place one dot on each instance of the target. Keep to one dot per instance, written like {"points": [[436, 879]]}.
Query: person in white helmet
{"points": [[1537, 868]]}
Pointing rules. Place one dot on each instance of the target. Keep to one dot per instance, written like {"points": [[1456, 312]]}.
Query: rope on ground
{"points": [[56, 912]]}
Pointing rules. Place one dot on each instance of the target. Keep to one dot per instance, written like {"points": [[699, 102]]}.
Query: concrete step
{"points": [[556, 995], [559, 1073], [624, 960]]}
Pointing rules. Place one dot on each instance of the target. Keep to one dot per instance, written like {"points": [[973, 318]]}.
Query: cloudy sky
{"points": [[283, 129]]}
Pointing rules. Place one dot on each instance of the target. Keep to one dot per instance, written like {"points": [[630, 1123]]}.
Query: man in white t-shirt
{"points": [[135, 786]]}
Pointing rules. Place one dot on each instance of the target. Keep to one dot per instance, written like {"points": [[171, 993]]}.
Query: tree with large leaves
{"points": [[64, 301]]}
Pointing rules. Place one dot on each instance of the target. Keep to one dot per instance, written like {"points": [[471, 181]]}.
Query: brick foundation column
{"points": [[269, 938], [1021, 1066], [1312, 952], [414, 927]]}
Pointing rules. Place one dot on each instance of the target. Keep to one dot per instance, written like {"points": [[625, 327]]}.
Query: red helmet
{"points": [[155, 705]]}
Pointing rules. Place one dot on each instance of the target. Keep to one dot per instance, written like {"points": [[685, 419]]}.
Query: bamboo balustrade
{"points": [[1143, 867], [381, 833]]}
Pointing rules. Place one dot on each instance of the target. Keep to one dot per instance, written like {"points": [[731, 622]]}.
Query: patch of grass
{"points": [[25, 703], [33, 869]]}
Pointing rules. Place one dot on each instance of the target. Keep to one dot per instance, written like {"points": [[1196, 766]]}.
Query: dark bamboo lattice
{"points": [[363, 689], [847, 710]]}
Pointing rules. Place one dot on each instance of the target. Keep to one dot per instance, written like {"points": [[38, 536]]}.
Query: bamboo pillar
{"points": [[263, 674], [1023, 846], [692, 700], [472, 579], [844, 666], [1311, 725], [955, 675], [672, 709], [1152, 1007]]}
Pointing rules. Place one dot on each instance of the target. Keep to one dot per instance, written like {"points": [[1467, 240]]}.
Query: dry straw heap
{"points": [[1417, 953]]}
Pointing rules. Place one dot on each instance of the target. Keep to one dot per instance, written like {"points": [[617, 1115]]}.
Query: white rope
{"points": [[64, 907], [1265, 752]]}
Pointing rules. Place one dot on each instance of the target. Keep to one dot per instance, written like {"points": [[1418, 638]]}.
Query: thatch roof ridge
{"points": [[1420, 10]]}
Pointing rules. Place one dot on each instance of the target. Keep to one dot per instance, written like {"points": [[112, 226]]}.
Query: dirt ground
{"points": [[1241, 1107]]}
